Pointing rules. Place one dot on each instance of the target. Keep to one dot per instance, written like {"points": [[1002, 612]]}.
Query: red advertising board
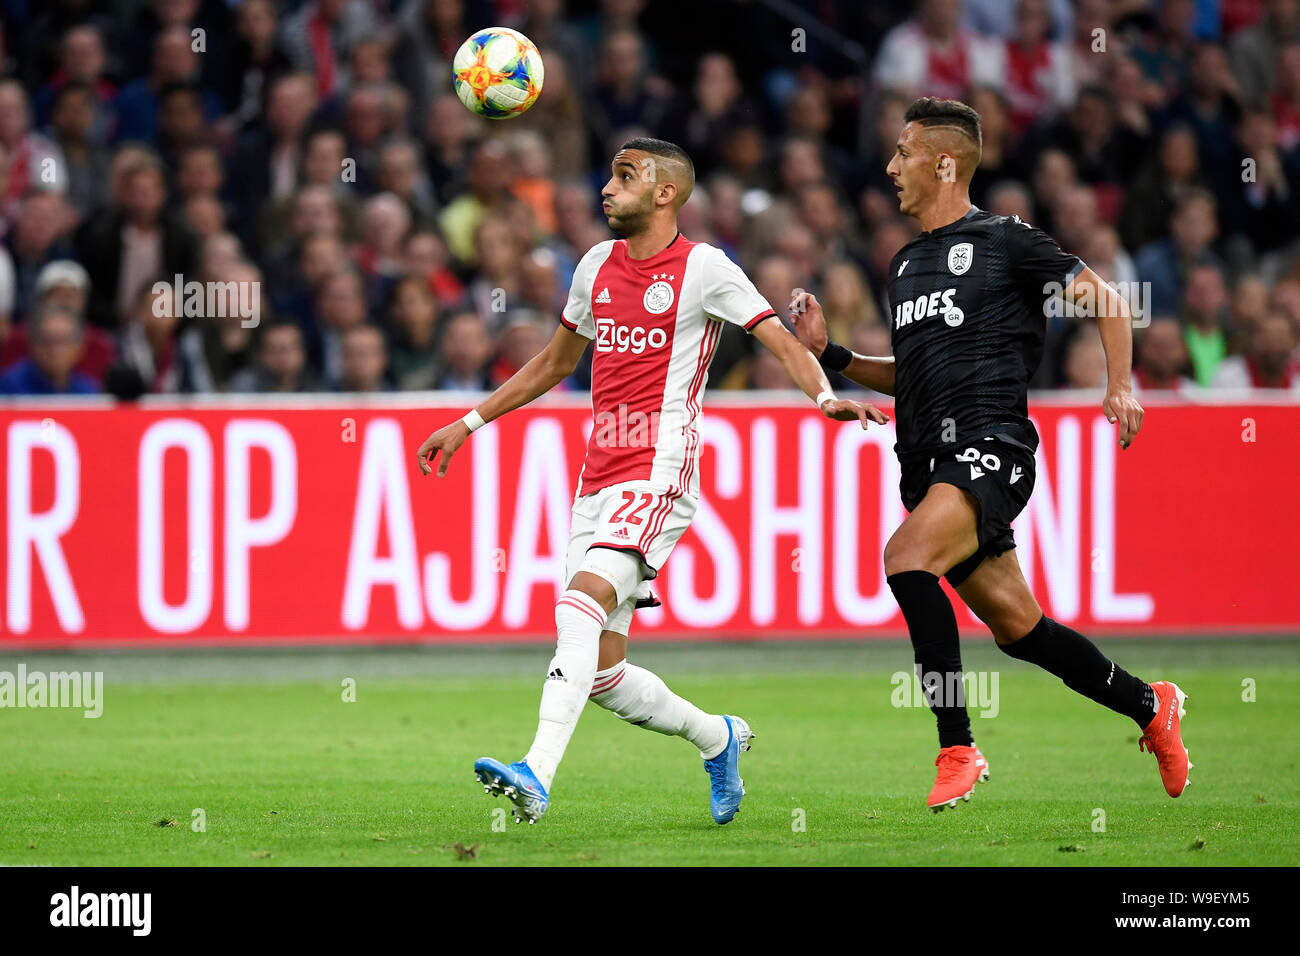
{"points": [[226, 523]]}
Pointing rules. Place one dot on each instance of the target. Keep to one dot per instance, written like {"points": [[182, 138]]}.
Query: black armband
{"points": [[835, 358]]}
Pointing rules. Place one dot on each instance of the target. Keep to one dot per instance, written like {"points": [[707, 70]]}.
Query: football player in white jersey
{"points": [[654, 303]]}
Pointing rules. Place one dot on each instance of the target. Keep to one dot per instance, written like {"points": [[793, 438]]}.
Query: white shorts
{"points": [[642, 518]]}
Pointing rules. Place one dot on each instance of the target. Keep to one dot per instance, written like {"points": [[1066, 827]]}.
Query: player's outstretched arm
{"points": [[1115, 322], [808, 375], [542, 373], [875, 372]]}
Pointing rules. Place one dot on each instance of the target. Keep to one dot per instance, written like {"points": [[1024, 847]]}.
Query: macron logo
{"points": [[603, 297]]}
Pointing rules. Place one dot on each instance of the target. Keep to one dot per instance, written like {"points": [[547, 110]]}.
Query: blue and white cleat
{"points": [[724, 771], [519, 784]]}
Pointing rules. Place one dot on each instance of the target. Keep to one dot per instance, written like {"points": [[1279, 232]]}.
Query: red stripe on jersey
{"points": [[571, 326], [661, 515], [650, 522], [769, 314], [708, 346]]}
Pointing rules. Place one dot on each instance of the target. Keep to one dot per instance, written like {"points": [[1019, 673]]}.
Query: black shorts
{"points": [[1000, 474]]}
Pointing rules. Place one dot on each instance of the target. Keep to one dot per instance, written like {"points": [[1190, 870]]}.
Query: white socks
{"points": [[578, 623], [642, 698]]}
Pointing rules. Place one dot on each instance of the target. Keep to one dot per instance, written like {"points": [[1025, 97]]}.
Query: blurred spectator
{"points": [[998, 161], [30, 161], [1262, 193], [1101, 147], [525, 334], [152, 347], [539, 288], [488, 185], [55, 343], [139, 240], [83, 62], [845, 300], [364, 358], [428, 34], [466, 350], [1106, 257], [626, 93], [63, 284], [340, 306], [1205, 305], [1093, 41], [1085, 359], [1163, 263], [1010, 198], [1269, 360], [1161, 358], [414, 357], [199, 171], [319, 35], [998, 18], [1040, 76], [401, 174], [256, 57], [427, 257], [1253, 51], [267, 163], [173, 61], [87, 163], [934, 55], [1157, 188], [385, 224], [38, 238], [281, 364]]}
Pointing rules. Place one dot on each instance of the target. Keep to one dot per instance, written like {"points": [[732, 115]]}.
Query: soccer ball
{"points": [[498, 73]]}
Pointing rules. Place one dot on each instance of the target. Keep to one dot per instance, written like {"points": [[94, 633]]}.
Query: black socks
{"points": [[933, 628], [1069, 655]]}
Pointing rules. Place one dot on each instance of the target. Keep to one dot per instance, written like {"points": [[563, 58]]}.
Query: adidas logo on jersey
{"points": [[622, 533], [557, 674], [603, 297]]}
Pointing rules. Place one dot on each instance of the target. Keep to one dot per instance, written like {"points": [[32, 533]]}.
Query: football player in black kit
{"points": [[967, 324]]}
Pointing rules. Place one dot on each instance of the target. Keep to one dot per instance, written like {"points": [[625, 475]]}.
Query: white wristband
{"points": [[473, 421], [824, 397]]}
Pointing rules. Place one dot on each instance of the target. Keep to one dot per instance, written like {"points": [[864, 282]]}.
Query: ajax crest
{"points": [[959, 258], [658, 298]]}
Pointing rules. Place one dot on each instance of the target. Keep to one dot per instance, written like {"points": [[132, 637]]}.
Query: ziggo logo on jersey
{"points": [[612, 337]]}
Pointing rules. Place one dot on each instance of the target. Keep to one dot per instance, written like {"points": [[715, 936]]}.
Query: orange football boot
{"points": [[960, 768], [1164, 738]]}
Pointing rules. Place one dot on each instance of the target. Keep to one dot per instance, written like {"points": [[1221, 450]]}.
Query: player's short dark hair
{"points": [[932, 111], [660, 147], [666, 150]]}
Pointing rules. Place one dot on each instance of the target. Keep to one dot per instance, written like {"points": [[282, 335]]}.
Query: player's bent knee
{"points": [[608, 576], [907, 552]]}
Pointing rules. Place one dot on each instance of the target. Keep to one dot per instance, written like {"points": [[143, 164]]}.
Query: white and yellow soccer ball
{"points": [[498, 73]]}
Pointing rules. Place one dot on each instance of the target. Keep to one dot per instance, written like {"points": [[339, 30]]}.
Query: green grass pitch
{"points": [[286, 772]]}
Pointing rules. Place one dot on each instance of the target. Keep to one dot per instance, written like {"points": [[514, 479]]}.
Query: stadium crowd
{"points": [[313, 151]]}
